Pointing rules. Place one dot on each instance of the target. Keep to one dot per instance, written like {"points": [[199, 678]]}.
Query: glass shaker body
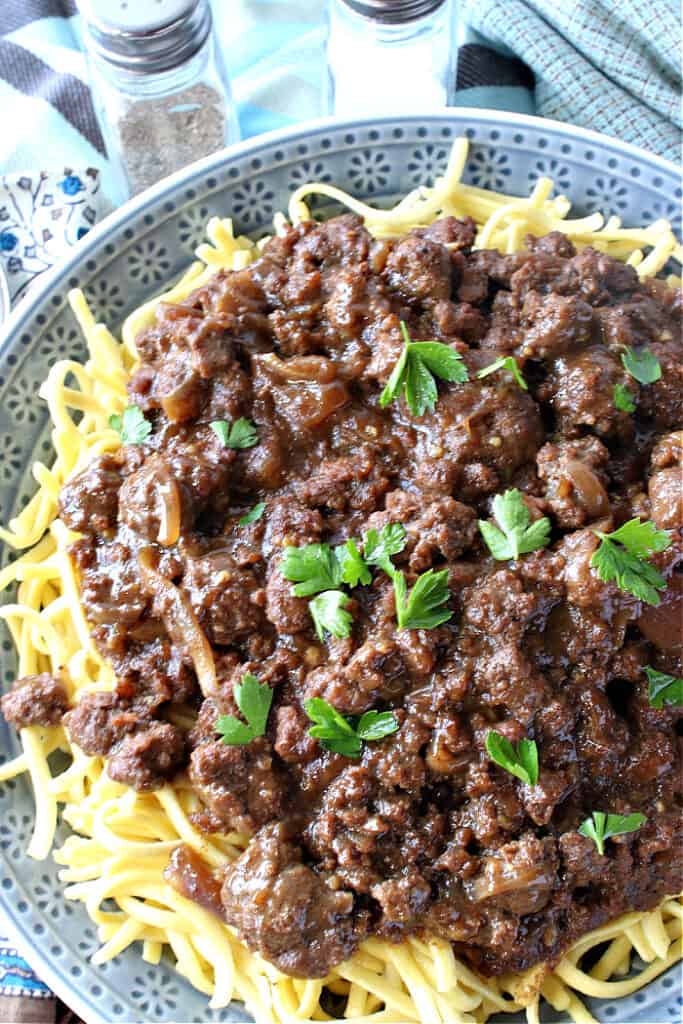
{"points": [[380, 66], [157, 115]]}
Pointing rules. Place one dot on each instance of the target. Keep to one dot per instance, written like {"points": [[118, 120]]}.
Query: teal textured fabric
{"points": [[611, 65]]}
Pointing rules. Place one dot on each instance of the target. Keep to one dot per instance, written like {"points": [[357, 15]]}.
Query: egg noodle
{"points": [[122, 839]]}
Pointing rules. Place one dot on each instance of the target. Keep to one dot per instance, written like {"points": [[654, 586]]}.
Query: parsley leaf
{"points": [[240, 434], [641, 539], [623, 398], [253, 515], [378, 547], [517, 534], [131, 425], [505, 363], [375, 725], [522, 761], [254, 700], [642, 366], [603, 826], [392, 388], [332, 729], [338, 734], [621, 557], [420, 388], [320, 569], [313, 567], [352, 567], [317, 567], [418, 364], [327, 612], [425, 608], [664, 689]]}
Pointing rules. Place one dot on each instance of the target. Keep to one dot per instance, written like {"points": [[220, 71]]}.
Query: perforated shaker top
{"points": [[134, 15]]}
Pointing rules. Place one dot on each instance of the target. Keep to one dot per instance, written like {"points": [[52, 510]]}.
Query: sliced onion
{"points": [[528, 884], [661, 624], [169, 509], [180, 621], [311, 368], [588, 488]]}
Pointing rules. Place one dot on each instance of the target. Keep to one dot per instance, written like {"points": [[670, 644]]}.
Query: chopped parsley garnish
{"points": [[426, 605], [316, 567], [321, 569], [253, 515], [329, 615], [378, 547], [521, 761], [664, 689], [505, 363], [313, 567], [603, 826], [240, 434], [624, 398], [622, 557], [131, 425], [642, 365], [515, 535], [419, 363], [254, 700], [339, 734], [352, 567]]}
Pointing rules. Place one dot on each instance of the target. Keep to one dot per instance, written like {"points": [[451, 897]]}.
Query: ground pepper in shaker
{"points": [[161, 91]]}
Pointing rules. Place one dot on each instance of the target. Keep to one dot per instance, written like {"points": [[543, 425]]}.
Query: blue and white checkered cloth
{"points": [[610, 65]]}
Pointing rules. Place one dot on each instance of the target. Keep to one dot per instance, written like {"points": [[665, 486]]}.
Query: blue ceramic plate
{"points": [[122, 263]]}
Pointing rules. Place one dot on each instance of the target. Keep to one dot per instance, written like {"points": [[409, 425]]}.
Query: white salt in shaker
{"points": [[161, 91], [389, 56]]}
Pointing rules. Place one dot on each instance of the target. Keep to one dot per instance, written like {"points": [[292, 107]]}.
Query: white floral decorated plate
{"points": [[122, 263]]}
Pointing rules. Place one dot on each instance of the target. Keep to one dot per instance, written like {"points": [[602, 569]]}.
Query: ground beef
{"points": [[99, 720], [576, 482], [142, 752], [422, 833], [519, 877], [35, 700], [146, 759], [227, 599], [581, 393], [444, 529], [665, 487], [285, 911], [89, 501], [240, 786], [554, 324], [288, 613]]}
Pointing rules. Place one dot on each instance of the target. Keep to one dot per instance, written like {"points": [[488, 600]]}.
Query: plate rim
{"points": [[152, 195], [13, 326]]}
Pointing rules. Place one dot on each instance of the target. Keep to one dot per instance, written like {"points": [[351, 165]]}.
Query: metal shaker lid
{"points": [[145, 35], [393, 12]]}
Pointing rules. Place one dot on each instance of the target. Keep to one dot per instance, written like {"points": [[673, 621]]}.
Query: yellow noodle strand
{"points": [[125, 838]]}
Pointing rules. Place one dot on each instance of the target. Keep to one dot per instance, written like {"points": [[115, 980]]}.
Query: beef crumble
{"points": [[424, 833], [35, 700]]}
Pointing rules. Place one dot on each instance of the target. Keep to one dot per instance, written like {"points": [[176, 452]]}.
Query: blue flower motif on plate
{"points": [[71, 185]]}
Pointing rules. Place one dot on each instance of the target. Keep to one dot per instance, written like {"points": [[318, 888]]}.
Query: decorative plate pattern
{"points": [[120, 264]]}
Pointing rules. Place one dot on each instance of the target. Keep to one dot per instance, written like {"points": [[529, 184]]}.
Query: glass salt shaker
{"points": [[389, 56], [160, 88]]}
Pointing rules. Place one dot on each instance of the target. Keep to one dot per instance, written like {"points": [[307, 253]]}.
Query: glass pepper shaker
{"points": [[389, 56], [160, 88]]}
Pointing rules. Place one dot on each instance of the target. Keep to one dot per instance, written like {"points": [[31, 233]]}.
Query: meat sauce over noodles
{"points": [[423, 833]]}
